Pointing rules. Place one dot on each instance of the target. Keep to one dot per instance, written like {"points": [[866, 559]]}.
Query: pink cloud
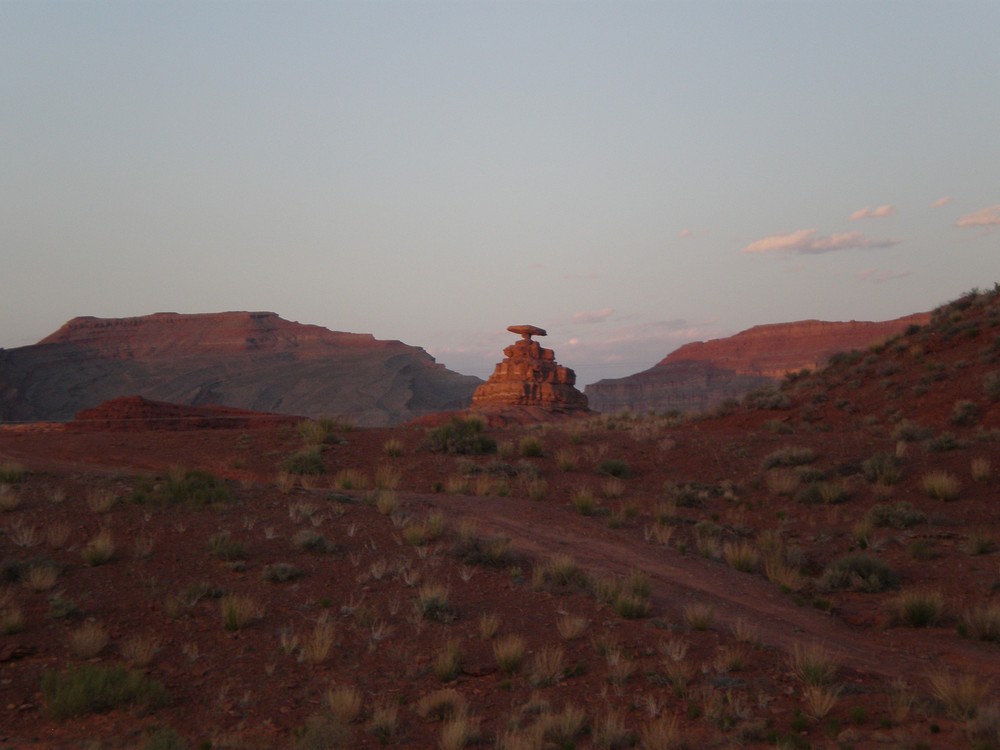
{"points": [[985, 217], [941, 202], [596, 316], [684, 233], [879, 212], [875, 276], [807, 242]]}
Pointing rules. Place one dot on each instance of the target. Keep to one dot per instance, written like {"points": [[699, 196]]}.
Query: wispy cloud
{"points": [[879, 212], [877, 276], [685, 233], [807, 242], [988, 217], [941, 202], [594, 316]]}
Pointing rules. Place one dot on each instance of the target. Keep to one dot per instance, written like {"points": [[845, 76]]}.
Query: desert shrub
{"points": [[910, 431], [164, 738], [224, 547], [964, 413], [861, 572], [322, 731], [742, 556], [561, 571], [100, 549], [615, 467], [566, 459], [196, 488], [463, 436], [88, 640], [509, 653], [448, 663], [92, 688], [433, 603], [11, 472], [344, 702], [306, 462], [766, 398], [322, 431], [312, 541], [821, 493], [981, 623], [790, 455], [531, 447], [238, 611], [918, 609], [490, 552], [583, 501], [945, 442], [547, 666], [630, 605], [940, 485], [699, 616], [980, 469], [392, 448], [901, 515], [281, 572], [991, 387], [960, 694], [882, 468], [812, 664]]}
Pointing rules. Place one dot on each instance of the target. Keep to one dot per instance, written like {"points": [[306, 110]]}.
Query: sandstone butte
{"points": [[700, 375], [530, 381]]}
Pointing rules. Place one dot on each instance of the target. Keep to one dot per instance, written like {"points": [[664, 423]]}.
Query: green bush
{"points": [[196, 487], [463, 436], [861, 572], [93, 688], [882, 468], [964, 413], [790, 455], [766, 398], [901, 515], [615, 468], [308, 461]]}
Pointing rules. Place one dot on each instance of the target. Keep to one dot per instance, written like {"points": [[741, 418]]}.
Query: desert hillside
{"points": [[248, 360], [699, 375]]}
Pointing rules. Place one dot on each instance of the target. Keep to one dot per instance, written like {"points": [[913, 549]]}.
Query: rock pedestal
{"points": [[530, 376]]}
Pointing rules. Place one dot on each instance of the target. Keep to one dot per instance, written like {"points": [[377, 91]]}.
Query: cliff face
{"points": [[248, 360], [700, 375]]}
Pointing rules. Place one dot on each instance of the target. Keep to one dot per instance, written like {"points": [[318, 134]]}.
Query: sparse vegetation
{"points": [[93, 688]]}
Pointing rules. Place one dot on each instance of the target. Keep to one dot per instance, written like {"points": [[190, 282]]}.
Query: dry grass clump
{"points": [[100, 549], [10, 500], [448, 663], [571, 627], [392, 448], [386, 502], [699, 616], [57, 534], [563, 728], [782, 482], [442, 705], [22, 534], [940, 485], [531, 447], [317, 644], [613, 488], [566, 459], [489, 626], [546, 667], [139, 650], [350, 479], [662, 734], [960, 694], [742, 556], [981, 623], [88, 640], [11, 619], [344, 702], [387, 477], [433, 603], [101, 500], [509, 652], [980, 469], [790, 455], [819, 700], [384, 722], [41, 576], [918, 609], [459, 732], [812, 664], [560, 571], [238, 611], [583, 501], [611, 732]]}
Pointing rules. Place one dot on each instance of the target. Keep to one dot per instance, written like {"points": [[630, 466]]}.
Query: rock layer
{"points": [[700, 375], [246, 360], [529, 376]]}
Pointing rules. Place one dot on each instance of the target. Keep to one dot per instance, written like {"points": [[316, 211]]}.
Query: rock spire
{"points": [[530, 376]]}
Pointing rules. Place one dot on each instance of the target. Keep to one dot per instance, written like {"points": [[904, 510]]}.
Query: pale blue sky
{"points": [[629, 175]]}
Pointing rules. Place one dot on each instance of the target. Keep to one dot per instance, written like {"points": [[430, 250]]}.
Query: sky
{"points": [[630, 176]]}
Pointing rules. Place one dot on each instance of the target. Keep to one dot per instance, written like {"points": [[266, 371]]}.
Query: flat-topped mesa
{"points": [[530, 376]]}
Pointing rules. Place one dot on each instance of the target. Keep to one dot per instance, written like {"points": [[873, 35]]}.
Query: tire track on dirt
{"points": [[540, 531]]}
